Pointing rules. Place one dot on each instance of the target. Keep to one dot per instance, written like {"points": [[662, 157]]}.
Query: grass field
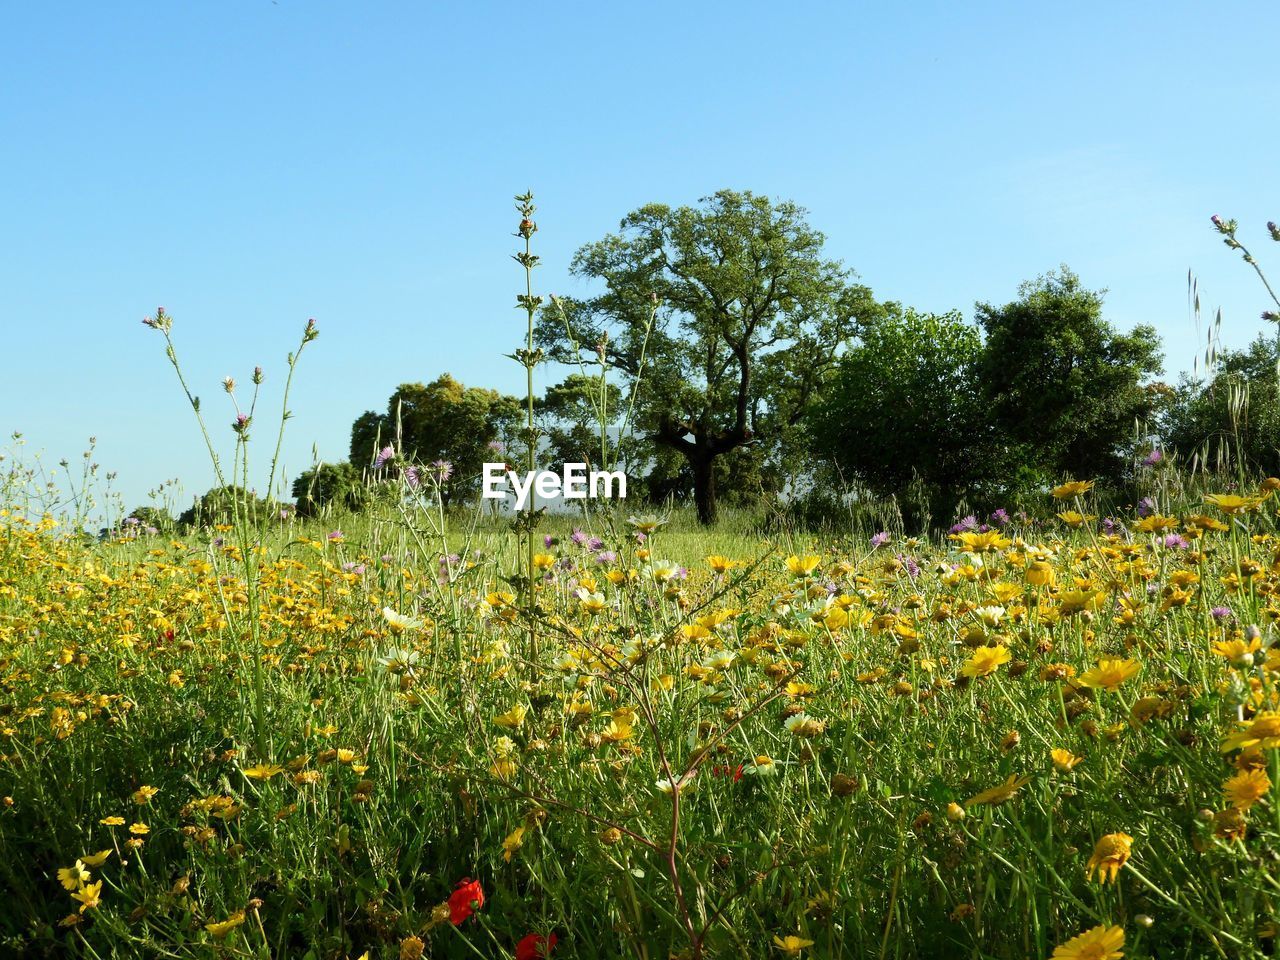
{"points": [[1045, 737]]}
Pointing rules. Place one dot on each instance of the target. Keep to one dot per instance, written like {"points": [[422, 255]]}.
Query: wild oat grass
{"points": [[1035, 736]]}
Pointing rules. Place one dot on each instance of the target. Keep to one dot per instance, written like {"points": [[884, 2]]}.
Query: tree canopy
{"points": [[1063, 386], [904, 407], [749, 318], [443, 420]]}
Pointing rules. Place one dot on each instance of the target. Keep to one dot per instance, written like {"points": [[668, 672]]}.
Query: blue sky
{"points": [[251, 164]]}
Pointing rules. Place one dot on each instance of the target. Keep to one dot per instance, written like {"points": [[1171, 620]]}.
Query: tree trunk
{"points": [[704, 485]]}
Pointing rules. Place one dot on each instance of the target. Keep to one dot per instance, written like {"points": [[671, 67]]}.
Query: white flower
{"points": [[663, 570], [720, 660], [402, 622], [990, 616], [398, 661], [671, 784], [762, 766]]}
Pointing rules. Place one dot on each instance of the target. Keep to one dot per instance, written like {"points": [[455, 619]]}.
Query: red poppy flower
{"points": [[464, 900], [534, 946]]}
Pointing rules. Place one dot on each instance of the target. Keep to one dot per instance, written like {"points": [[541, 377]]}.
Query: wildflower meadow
{"points": [[404, 724]]}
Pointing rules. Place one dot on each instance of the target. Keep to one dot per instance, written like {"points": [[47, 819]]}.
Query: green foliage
{"points": [[330, 484], [905, 405], [157, 517], [1232, 421], [749, 321], [568, 419], [443, 420], [1064, 388], [222, 504]]}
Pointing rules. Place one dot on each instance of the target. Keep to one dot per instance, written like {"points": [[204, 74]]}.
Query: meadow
{"points": [[1046, 734]]}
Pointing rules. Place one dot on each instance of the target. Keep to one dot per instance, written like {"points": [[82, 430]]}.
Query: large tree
{"points": [[442, 420], [749, 319], [1064, 387], [904, 407]]}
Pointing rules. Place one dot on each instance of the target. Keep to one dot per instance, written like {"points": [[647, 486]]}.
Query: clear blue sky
{"points": [[251, 164]]}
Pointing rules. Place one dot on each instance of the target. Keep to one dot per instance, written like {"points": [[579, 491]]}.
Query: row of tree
{"points": [[728, 358]]}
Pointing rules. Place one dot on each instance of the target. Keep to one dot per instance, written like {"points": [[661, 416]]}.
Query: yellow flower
{"points": [[513, 842], [1231, 503], [1110, 673], [1078, 601], [411, 948], [543, 561], [987, 541], [138, 829], [1237, 649], [803, 566], [998, 795], [791, 945], [1040, 573], [89, 895], [1064, 760], [719, 564], [1246, 788], [263, 771], [73, 877], [1263, 732], [1100, 943], [144, 794], [96, 859], [112, 821], [221, 928], [985, 661], [1109, 854], [1075, 519], [513, 718], [504, 768], [1072, 488]]}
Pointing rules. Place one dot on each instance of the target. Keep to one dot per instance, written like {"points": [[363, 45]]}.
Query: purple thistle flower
{"points": [[578, 537], [1175, 541], [912, 568], [1001, 517], [1221, 613], [880, 539], [441, 470], [335, 535], [965, 524], [1146, 506], [606, 557], [496, 446], [548, 541], [1152, 458], [595, 543], [385, 454], [411, 477]]}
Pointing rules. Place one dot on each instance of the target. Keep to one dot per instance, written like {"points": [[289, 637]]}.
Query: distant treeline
{"points": [[725, 359]]}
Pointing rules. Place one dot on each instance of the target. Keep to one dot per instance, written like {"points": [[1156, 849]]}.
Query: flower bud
{"points": [[842, 785]]}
